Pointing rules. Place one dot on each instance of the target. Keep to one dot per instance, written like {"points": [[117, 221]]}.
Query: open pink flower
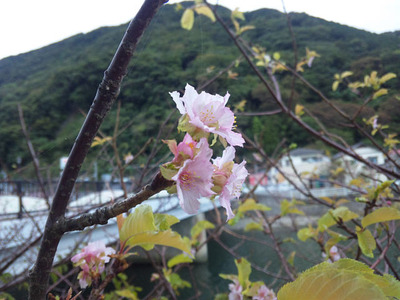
{"points": [[91, 260], [264, 293], [207, 113], [228, 179], [193, 179]]}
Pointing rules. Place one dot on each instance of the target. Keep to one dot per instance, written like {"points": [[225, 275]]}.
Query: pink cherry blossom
{"points": [[264, 293], [183, 150], [92, 260], [229, 178], [193, 179], [334, 254], [208, 113], [236, 291]]}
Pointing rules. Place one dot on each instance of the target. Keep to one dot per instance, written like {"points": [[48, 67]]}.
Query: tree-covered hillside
{"points": [[55, 85]]}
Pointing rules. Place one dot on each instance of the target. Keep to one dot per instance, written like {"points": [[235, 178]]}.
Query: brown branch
{"points": [[33, 155], [107, 92]]}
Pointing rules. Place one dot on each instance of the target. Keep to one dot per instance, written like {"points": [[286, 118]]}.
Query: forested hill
{"points": [[56, 84]]}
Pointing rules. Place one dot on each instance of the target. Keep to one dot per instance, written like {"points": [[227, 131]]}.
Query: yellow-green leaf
{"points": [[244, 270], [366, 241], [164, 222], [387, 77], [179, 259], [169, 238], [199, 227], [276, 56], [346, 74], [291, 258], [335, 85], [328, 282], [290, 207], [127, 294], [236, 14], [382, 214], [379, 93], [206, 11], [141, 220], [253, 226], [306, 233], [299, 110], [329, 219], [187, 19], [100, 141], [251, 204], [245, 28]]}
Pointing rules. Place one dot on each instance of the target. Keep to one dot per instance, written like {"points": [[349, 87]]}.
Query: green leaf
{"points": [[366, 241], [179, 259], [291, 258], [244, 270], [168, 171], [251, 204], [140, 229], [164, 222], [253, 226], [387, 77], [306, 233], [329, 219], [332, 282], [127, 294], [335, 85], [206, 11], [199, 227], [290, 207], [382, 214], [141, 220], [170, 238], [379, 93], [187, 19]]}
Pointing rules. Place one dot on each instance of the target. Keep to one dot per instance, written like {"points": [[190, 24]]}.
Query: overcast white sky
{"points": [[31, 24]]}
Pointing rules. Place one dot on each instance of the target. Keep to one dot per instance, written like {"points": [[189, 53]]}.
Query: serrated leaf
{"points": [[327, 281], [251, 204], [366, 241], [206, 11], [253, 226], [187, 19], [179, 259], [199, 227], [379, 93], [382, 214]]}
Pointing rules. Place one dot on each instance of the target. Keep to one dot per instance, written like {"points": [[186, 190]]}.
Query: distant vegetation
{"points": [[55, 85]]}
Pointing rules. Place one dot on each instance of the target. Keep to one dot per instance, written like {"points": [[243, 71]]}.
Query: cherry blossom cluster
{"points": [[194, 171], [92, 260]]}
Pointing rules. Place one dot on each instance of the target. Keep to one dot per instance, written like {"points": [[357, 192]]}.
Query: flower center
{"points": [[207, 115]]}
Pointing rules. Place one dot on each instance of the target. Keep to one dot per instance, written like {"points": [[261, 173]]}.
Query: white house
{"points": [[310, 164]]}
